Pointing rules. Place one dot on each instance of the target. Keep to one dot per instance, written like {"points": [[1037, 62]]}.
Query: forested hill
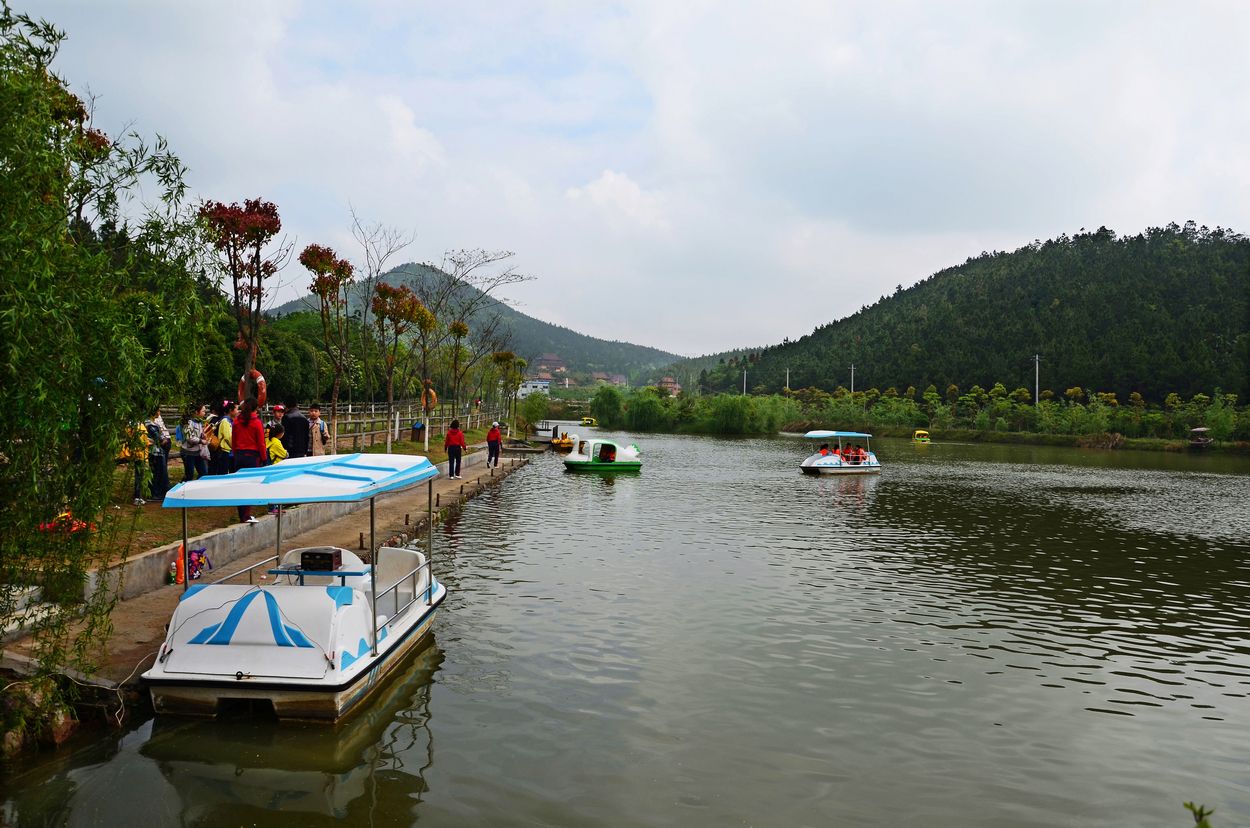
{"points": [[531, 337], [1164, 311]]}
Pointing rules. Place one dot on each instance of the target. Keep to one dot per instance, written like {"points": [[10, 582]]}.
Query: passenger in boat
{"points": [[454, 444], [248, 441], [494, 440], [824, 450], [607, 453]]}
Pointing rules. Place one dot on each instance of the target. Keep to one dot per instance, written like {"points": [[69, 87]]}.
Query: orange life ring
{"points": [[262, 393], [429, 399]]}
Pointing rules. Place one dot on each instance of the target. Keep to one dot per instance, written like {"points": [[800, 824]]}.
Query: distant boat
{"points": [[920, 436], [603, 456], [846, 458], [590, 422], [1200, 438]]}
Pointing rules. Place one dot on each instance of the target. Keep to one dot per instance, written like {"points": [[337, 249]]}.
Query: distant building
{"points": [[550, 362], [532, 386], [673, 386], [609, 379]]}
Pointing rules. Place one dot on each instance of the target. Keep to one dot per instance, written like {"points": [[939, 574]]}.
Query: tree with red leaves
{"points": [[240, 235], [332, 279]]}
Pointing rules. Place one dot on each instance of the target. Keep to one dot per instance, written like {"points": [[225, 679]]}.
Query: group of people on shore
{"points": [[228, 438], [233, 437]]}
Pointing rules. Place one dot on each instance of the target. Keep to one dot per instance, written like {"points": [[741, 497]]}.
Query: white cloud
{"points": [[720, 176], [616, 194]]}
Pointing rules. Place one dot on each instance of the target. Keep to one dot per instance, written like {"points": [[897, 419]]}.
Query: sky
{"points": [[694, 176]]}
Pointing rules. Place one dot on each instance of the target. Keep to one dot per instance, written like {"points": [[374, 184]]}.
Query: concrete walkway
{"points": [[139, 622]]}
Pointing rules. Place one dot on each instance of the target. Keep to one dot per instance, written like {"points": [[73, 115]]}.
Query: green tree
{"points": [[98, 323]]}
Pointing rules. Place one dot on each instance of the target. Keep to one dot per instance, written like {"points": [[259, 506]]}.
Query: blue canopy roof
{"points": [[341, 478], [824, 435]]}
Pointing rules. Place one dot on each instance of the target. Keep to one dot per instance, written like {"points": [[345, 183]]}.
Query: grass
{"points": [[141, 528]]}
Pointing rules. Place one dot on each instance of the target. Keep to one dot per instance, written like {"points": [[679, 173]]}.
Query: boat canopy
{"points": [[342, 478], [824, 435]]}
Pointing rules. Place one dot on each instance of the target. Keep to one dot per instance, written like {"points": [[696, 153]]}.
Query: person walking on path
{"points": [[248, 442], [319, 433], [454, 444], [194, 451], [295, 426], [494, 440]]}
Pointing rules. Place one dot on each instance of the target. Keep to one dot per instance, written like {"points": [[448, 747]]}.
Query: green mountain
{"points": [[1167, 310], [530, 337]]}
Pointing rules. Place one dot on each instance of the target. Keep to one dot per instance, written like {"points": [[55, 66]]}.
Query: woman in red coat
{"points": [[248, 445], [493, 442], [454, 444]]}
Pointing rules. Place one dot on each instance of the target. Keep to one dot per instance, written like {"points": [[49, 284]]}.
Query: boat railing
{"points": [[393, 590], [247, 571]]}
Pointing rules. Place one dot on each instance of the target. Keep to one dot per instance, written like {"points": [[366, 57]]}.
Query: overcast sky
{"points": [[690, 175]]}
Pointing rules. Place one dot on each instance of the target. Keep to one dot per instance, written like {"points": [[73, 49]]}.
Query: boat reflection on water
{"points": [[222, 768], [848, 489]]}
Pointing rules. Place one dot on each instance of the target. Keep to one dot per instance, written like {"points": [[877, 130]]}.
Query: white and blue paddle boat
{"points": [[843, 452], [322, 628]]}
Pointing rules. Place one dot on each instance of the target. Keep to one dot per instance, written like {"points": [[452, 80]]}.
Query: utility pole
{"points": [[1036, 370], [787, 379], [744, 382], [852, 377]]}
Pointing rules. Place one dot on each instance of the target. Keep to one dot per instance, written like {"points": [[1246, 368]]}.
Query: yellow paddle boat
{"points": [[564, 442], [920, 436]]}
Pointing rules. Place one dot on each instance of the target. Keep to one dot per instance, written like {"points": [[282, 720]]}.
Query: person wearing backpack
{"points": [[193, 450], [158, 459]]}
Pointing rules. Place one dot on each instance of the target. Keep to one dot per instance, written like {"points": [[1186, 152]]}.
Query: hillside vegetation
{"points": [[530, 337], [1165, 311]]}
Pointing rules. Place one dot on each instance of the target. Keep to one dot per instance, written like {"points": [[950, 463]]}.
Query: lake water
{"points": [[981, 636]]}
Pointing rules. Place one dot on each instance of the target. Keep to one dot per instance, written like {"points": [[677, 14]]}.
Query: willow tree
{"points": [[99, 324], [332, 281]]}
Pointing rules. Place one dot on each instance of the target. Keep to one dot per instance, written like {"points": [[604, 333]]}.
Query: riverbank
{"points": [[138, 622]]}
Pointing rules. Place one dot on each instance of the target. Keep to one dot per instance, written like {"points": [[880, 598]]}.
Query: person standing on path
{"points": [[454, 444], [494, 440], [225, 427], [319, 433], [158, 455], [295, 432], [295, 426], [248, 441], [194, 450]]}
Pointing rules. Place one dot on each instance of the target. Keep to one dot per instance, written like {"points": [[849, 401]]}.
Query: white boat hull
{"points": [[862, 469], [303, 646]]}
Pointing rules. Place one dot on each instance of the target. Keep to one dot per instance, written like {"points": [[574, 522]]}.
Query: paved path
{"points": [[139, 623]]}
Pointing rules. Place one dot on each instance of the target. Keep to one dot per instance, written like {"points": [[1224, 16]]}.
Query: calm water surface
{"points": [[982, 636]]}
